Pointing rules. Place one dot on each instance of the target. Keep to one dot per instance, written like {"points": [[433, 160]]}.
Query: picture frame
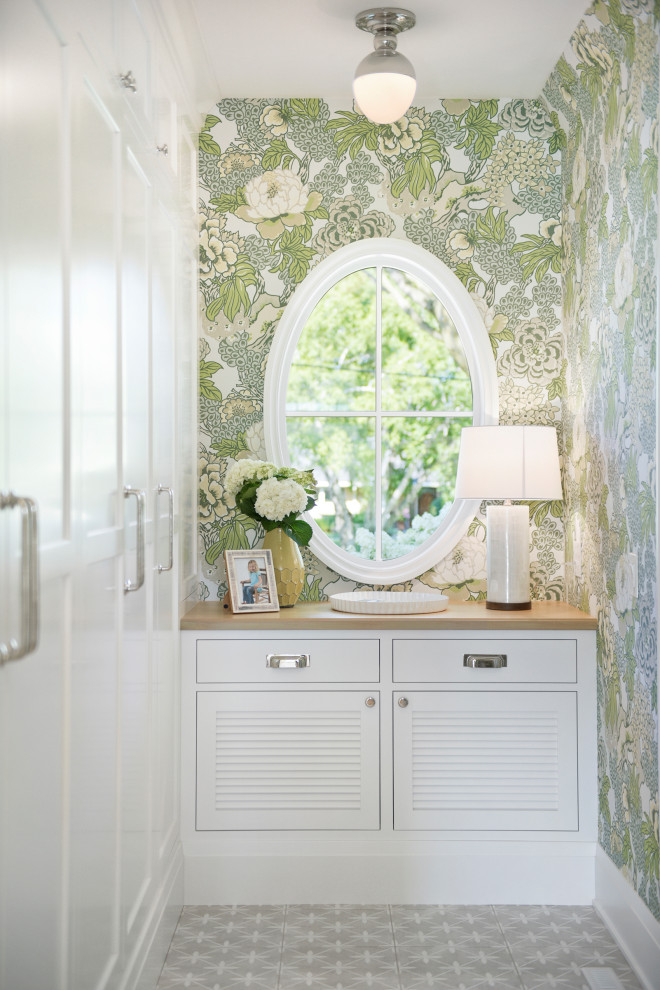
{"points": [[251, 581]]}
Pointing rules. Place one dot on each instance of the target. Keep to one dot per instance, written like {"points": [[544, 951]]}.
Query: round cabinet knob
{"points": [[370, 702], [402, 702]]}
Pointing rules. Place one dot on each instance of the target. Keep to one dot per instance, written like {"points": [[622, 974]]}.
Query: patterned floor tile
{"points": [[373, 947], [377, 969], [355, 924], [459, 966], [424, 927]]}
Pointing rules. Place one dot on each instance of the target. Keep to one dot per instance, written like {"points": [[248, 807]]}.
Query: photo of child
{"points": [[255, 588], [251, 585]]}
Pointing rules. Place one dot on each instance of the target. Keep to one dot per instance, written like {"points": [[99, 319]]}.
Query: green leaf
{"points": [[603, 803], [558, 139], [540, 254], [210, 122], [492, 228], [208, 368], [210, 391], [299, 531], [646, 503], [651, 850], [207, 144], [226, 203], [557, 387], [538, 512], [400, 184], [352, 132], [214, 308], [496, 337], [236, 297], [480, 130], [470, 279], [245, 270], [232, 536], [306, 108], [649, 176], [278, 153], [295, 254], [230, 446], [566, 74]]}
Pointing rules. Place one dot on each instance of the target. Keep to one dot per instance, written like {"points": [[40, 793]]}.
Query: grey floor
{"points": [[383, 947]]}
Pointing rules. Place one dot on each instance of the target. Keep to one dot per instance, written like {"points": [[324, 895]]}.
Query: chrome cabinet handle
{"points": [[281, 660], [370, 702], [127, 79], [141, 502], [402, 702], [481, 660], [170, 496], [14, 650]]}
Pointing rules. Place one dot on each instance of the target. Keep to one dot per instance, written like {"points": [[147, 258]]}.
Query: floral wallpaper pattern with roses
{"points": [[285, 182], [605, 88]]}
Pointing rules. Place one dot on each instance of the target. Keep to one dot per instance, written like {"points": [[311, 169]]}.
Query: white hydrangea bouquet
{"points": [[274, 496]]}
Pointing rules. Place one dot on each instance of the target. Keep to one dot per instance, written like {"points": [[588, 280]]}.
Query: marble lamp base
{"points": [[507, 545]]}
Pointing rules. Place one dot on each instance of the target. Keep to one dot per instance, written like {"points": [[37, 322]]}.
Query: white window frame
{"points": [[417, 261]]}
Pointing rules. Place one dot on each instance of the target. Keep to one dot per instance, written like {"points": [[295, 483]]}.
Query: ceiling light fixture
{"points": [[384, 83]]}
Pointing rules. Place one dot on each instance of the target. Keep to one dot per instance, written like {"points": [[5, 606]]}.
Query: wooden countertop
{"points": [[207, 616]]}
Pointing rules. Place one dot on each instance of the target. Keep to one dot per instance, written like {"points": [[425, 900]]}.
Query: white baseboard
{"points": [[469, 876], [626, 915], [146, 963]]}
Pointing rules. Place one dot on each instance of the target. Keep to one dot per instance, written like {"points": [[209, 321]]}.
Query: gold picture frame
{"points": [[251, 581]]}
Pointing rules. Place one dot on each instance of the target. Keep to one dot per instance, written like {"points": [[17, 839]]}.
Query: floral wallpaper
{"points": [[284, 183], [605, 88]]}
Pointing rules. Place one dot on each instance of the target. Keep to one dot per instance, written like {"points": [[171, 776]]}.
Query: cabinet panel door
{"points": [[136, 639], [287, 760], [485, 760], [98, 507], [164, 666], [33, 464]]}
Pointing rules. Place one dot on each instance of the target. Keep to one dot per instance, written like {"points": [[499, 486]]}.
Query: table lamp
{"points": [[508, 462]]}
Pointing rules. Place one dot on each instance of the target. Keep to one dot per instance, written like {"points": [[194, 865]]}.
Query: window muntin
{"points": [[380, 359]]}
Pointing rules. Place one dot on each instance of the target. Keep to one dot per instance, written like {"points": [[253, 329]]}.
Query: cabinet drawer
{"points": [[327, 660], [548, 660]]}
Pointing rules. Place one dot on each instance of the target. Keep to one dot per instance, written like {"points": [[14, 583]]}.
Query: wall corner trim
{"points": [[631, 923]]}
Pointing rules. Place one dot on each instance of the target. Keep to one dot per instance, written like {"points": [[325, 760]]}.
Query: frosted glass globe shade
{"points": [[384, 86]]}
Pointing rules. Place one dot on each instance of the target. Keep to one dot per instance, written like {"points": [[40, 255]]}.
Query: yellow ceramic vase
{"points": [[288, 565]]}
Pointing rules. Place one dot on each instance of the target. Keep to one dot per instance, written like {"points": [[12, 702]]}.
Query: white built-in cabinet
{"points": [[97, 474], [448, 761]]}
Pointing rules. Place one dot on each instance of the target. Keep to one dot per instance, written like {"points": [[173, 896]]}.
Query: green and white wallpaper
{"points": [[285, 183], [547, 212], [605, 88]]}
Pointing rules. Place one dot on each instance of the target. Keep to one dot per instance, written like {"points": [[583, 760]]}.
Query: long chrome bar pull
{"points": [[141, 502], [170, 496], [29, 578]]}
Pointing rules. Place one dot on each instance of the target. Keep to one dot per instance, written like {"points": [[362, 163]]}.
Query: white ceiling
{"points": [[474, 48]]}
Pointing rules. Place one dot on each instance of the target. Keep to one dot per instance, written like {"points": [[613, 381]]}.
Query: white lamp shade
{"points": [[508, 462], [384, 86]]}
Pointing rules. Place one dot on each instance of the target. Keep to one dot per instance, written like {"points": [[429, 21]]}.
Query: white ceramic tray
{"points": [[388, 602]]}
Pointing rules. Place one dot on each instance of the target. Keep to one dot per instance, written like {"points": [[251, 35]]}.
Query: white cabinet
{"points": [[485, 761], [96, 316], [287, 760], [401, 760]]}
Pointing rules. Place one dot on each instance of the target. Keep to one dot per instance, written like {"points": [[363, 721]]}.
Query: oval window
{"points": [[378, 362]]}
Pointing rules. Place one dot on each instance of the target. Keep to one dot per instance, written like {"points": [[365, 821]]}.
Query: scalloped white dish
{"points": [[388, 602]]}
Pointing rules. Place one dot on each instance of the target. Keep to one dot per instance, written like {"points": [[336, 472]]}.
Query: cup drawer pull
{"points": [[479, 660], [287, 660]]}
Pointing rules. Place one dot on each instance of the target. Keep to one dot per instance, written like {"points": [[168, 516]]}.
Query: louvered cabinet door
{"points": [[485, 760], [287, 760]]}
